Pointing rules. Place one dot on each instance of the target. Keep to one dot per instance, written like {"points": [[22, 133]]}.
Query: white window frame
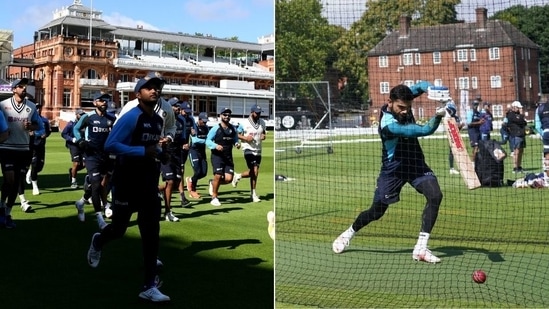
{"points": [[383, 61], [474, 82], [420, 113], [408, 59], [493, 53], [409, 82], [437, 57], [462, 55], [384, 87], [497, 111], [495, 81], [463, 82], [473, 54], [417, 58]]}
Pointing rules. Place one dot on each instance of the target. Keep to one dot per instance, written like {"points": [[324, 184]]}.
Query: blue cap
{"points": [[102, 96], [19, 81], [173, 101], [203, 116], [185, 106], [152, 77], [226, 110], [256, 109]]}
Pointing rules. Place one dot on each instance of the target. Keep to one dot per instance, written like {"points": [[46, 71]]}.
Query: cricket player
{"points": [[402, 162]]}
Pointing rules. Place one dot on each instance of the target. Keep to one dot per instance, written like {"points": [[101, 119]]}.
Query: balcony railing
{"points": [[94, 82]]}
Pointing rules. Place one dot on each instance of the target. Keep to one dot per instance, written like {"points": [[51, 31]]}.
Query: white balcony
{"points": [[94, 82]]}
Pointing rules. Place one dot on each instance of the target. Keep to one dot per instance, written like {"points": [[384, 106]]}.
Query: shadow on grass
{"points": [[44, 266], [447, 252]]}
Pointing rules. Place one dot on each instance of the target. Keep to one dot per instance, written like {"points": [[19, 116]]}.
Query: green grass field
{"points": [[503, 231], [215, 257]]}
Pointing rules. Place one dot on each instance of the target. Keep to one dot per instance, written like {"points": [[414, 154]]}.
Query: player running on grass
{"points": [[402, 162], [252, 133], [136, 140]]}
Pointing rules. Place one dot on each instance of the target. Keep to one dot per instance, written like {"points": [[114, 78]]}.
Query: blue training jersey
{"points": [[132, 132], [96, 129], [225, 137], [399, 139]]}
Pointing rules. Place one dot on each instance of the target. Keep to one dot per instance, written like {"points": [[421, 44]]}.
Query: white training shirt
{"points": [[249, 127], [16, 115], [163, 109]]}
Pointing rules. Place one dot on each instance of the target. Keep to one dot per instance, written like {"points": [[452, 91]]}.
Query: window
{"points": [[407, 59], [474, 82], [497, 111], [473, 54], [125, 78], [383, 61], [493, 53], [68, 74], [495, 81], [66, 98], [409, 83], [420, 113], [91, 74], [384, 87], [461, 55], [417, 58], [437, 58], [463, 83]]}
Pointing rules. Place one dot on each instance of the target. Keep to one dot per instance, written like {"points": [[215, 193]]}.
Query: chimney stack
{"points": [[482, 18], [405, 22]]}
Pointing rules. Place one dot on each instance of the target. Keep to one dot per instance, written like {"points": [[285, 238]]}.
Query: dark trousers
{"points": [[148, 207]]}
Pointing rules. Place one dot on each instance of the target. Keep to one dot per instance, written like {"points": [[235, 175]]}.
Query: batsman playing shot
{"points": [[402, 162]]}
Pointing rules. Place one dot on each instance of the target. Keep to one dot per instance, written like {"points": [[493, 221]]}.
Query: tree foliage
{"points": [[532, 22], [380, 18], [304, 40]]}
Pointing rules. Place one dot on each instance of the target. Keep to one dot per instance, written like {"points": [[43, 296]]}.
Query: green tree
{"points": [[304, 40], [532, 22], [378, 21]]}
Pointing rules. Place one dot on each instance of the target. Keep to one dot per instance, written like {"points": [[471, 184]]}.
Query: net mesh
{"points": [[502, 229]]}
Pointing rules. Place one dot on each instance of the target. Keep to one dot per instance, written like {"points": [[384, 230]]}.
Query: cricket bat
{"points": [[461, 157]]}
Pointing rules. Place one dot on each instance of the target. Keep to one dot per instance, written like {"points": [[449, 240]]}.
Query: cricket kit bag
{"points": [[489, 163]]}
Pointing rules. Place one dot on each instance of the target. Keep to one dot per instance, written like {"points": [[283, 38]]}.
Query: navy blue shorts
{"points": [[15, 160], [77, 155], [172, 169], [98, 166], [517, 142], [474, 136], [222, 164], [390, 183], [545, 140], [252, 160]]}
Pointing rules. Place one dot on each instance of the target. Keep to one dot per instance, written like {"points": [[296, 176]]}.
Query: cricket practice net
{"points": [[493, 52]]}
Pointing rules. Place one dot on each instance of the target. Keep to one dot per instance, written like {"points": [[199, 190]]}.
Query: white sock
{"points": [[349, 233], [253, 193], [422, 240], [35, 184], [73, 179], [22, 198]]}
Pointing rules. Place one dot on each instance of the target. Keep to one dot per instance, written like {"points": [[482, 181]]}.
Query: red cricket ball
{"points": [[479, 276]]}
